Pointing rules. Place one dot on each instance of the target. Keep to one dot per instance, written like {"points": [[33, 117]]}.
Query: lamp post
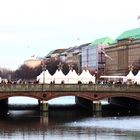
{"points": [[43, 65], [43, 103]]}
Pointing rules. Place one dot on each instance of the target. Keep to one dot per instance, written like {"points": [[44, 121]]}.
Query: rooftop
{"points": [[103, 41], [133, 33], [57, 51]]}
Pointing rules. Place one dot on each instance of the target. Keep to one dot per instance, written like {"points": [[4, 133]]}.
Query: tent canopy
{"points": [[45, 77], [113, 77], [86, 77], [59, 77], [72, 77], [137, 77], [130, 76]]}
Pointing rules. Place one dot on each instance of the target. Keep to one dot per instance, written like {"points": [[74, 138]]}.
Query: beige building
{"points": [[33, 62]]}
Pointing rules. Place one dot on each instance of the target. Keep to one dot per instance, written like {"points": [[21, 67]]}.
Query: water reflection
{"points": [[67, 124]]}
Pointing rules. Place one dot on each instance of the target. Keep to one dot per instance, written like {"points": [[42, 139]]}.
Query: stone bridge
{"points": [[82, 92]]}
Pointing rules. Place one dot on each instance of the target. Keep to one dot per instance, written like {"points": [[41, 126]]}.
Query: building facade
{"points": [[93, 55], [55, 54], [124, 53], [73, 56]]}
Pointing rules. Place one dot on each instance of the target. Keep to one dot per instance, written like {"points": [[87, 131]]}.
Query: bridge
{"points": [[85, 94]]}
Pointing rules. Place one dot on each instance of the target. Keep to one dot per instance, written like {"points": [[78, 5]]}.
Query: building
{"points": [[55, 54], [69, 55], [33, 62], [77, 56], [124, 53], [93, 55], [72, 56]]}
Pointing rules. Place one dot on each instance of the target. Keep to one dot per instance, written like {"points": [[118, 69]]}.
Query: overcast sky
{"points": [[30, 27]]}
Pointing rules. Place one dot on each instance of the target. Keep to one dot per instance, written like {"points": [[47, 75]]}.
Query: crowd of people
{"points": [[20, 81]]}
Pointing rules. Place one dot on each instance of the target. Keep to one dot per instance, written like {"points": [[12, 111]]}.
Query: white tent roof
{"points": [[90, 77], [72, 77], [130, 76], [39, 76], [45, 77], [113, 77], [137, 77], [86, 77], [47, 74], [82, 74], [58, 77]]}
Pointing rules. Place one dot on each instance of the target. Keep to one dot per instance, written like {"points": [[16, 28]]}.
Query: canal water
{"points": [[67, 122]]}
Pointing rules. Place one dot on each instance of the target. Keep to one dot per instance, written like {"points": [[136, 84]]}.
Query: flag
{"points": [[107, 56]]}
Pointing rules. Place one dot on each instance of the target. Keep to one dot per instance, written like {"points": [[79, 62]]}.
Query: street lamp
{"points": [[43, 65]]}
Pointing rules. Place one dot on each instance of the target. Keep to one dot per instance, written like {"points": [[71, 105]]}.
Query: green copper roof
{"points": [[57, 51], [49, 53], [134, 33], [105, 41]]}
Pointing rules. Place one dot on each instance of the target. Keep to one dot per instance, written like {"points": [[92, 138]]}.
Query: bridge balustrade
{"points": [[68, 87]]}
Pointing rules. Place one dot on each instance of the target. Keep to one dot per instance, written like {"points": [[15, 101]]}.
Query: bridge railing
{"points": [[69, 87]]}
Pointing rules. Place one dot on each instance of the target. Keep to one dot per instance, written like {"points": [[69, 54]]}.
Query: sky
{"points": [[35, 27]]}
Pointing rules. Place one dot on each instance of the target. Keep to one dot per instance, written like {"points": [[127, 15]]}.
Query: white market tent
{"points": [[85, 77], [59, 77], [137, 78], [113, 77], [82, 76], [39, 77], [130, 77], [90, 77], [45, 77], [72, 77]]}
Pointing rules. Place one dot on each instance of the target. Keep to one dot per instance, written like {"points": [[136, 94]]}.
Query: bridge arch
{"points": [[24, 100], [20, 95], [120, 95], [91, 96], [43, 96]]}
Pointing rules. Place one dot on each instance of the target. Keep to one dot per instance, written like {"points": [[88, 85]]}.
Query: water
{"points": [[68, 124]]}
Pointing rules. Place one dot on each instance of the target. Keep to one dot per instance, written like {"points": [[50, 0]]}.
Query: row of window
{"points": [[91, 57]]}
